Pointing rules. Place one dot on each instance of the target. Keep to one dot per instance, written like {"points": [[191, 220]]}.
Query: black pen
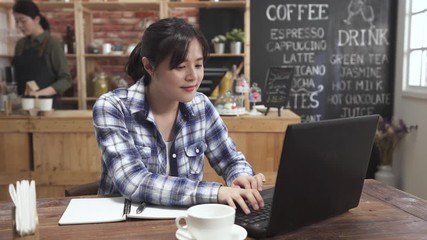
{"points": [[141, 208], [126, 207]]}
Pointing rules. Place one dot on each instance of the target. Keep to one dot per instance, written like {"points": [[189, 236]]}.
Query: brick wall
{"points": [[121, 29], [115, 27]]}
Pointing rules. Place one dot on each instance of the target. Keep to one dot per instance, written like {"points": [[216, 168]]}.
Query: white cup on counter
{"points": [[45, 103], [28, 102]]}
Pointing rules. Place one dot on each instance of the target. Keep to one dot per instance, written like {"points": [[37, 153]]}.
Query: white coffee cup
{"points": [[45, 103], [28, 102], [208, 221], [107, 48]]}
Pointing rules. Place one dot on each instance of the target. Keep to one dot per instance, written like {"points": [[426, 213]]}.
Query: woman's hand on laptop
{"points": [[249, 182], [241, 197]]}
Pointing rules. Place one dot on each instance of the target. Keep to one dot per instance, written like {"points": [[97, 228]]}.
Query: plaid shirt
{"points": [[134, 152]]}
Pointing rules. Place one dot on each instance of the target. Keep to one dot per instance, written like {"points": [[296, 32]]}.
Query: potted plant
{"points": [[219, 43], [235, 37], [388, 135]]}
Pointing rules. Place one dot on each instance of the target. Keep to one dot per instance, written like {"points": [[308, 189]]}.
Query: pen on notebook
{"points": [[126, 207], [141, 208]]}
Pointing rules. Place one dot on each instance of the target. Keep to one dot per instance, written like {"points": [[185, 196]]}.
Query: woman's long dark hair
{"points": [[29, 8], [166, 37]]}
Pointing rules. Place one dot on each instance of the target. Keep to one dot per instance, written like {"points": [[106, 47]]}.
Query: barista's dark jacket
{"points": [[41, 59]]}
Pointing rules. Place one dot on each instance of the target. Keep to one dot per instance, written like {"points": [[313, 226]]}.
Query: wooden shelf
{"points": [[91, 98], [208, 4], [75, 99], [100, 55], [120, 6], [226, 55], [43, 5], [68, 99], [12, 55]]}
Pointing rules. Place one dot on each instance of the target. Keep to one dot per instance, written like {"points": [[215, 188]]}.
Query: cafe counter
{"points": [[60, 150]]}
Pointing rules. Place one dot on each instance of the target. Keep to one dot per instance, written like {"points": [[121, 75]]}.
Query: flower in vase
{"points": [[255, 97], [388, 135]]}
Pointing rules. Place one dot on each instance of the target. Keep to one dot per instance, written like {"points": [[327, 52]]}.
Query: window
{"points": [[417, 47]]}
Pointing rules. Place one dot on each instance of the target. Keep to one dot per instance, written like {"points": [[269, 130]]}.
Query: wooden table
{"points": [[384, 213]]}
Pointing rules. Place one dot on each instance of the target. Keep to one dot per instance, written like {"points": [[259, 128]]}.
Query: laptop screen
{"points": [[321, 172]]}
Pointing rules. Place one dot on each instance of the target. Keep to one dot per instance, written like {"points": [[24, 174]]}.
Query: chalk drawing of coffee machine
{"points": [[356, 7]]}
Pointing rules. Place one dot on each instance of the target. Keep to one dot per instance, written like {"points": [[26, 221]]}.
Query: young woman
{"points": [[153, 136], [38, 56]]}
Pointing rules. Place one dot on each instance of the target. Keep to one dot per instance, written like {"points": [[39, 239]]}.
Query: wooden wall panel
{"points": [[65, 159], [15, 153], [44, 191], [66, 151], [62, 149], [262, 150]]}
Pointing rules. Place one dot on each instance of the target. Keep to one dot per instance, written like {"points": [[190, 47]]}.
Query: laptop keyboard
{"points": [[261, 215]]}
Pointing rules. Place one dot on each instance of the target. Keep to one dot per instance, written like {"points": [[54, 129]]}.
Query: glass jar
{"points": [[100, 84], [255, 93], [242, 85], [254, 97], [228, 104]]}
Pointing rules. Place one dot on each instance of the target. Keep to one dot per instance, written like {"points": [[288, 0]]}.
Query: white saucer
{"points": [[238, 233]]}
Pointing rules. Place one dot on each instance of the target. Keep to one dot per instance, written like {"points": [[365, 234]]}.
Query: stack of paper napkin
{"points": [[24, 198]]}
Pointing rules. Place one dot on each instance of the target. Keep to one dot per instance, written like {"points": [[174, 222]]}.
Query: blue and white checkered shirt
{"points": [[134, 152]]}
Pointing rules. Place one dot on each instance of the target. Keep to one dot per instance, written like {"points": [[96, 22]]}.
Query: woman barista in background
{"points": [[38, 56]]}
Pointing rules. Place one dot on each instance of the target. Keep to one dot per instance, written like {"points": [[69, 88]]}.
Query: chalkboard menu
{"points": [[342, 53], [277, 86]]}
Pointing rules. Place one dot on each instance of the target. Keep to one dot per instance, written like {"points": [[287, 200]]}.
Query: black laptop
{"points": [[321, 174]]}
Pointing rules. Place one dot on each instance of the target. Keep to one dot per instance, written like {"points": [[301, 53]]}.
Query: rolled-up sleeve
{"points": [[60, 67]]}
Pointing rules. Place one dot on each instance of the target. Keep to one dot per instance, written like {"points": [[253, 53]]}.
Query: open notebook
{"points": [[101, 210]]}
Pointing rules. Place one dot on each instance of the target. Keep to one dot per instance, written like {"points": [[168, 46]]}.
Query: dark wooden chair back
{"points": [[81, 190]]}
